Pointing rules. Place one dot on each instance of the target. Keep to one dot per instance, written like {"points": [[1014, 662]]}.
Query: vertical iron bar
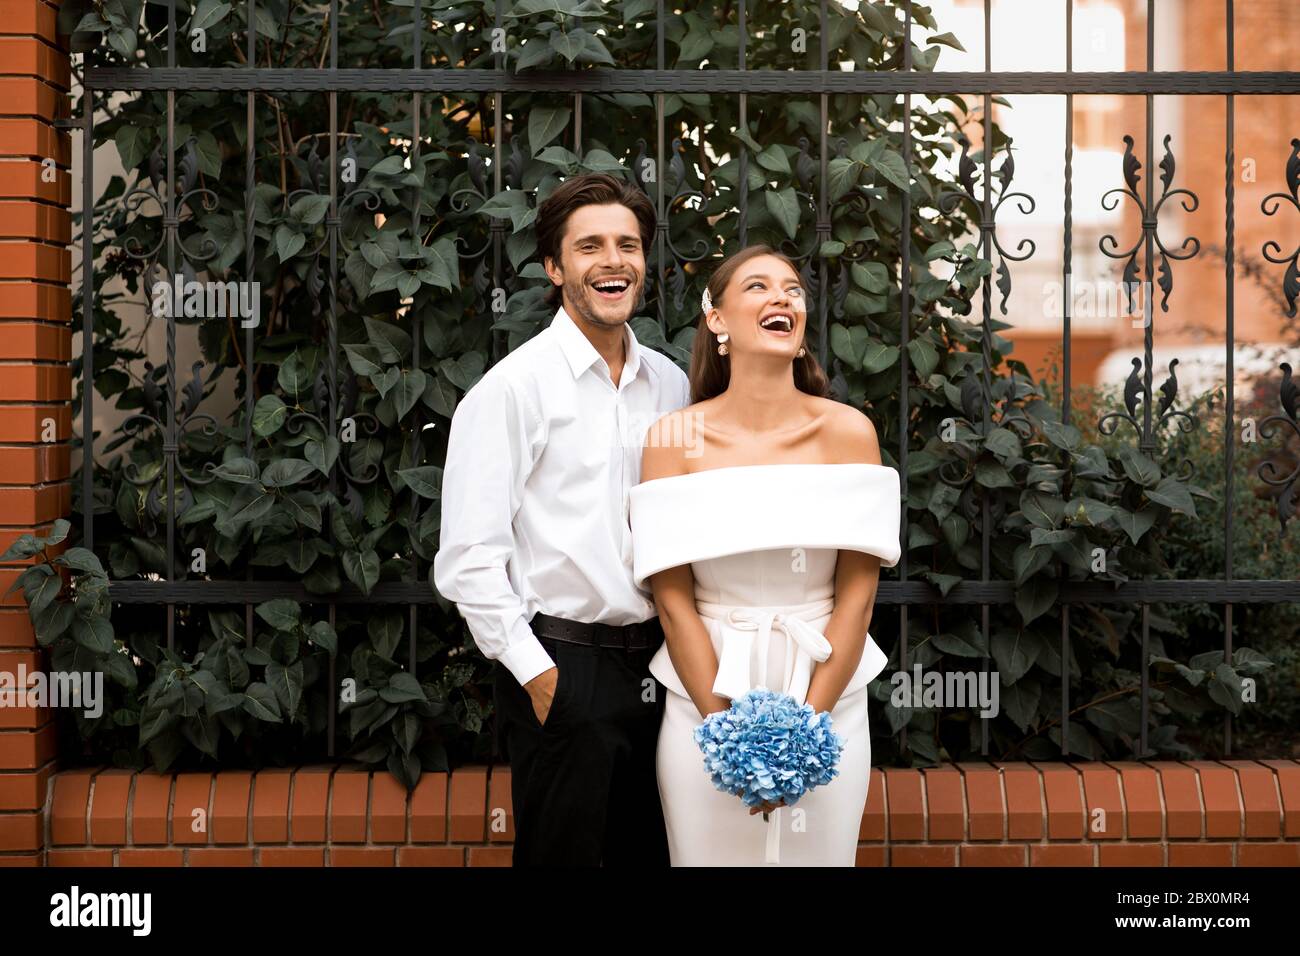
{"points": [[1229, 411], [904, 331], [250, 216], [823, 216], [742, 174], [413, 610], [498, 157], [1068, 295], [332, 334], [661, 221], [87, 312], [169, 230], [986, 339], [577, 109], [498, 281], [1148, 338]]}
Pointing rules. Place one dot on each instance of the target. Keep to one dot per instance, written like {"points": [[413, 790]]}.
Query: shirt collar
{"points": [[581, 354]]}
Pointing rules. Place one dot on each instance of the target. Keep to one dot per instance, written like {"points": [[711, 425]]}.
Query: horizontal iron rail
{"points": [[692, 81], [889, 592]]}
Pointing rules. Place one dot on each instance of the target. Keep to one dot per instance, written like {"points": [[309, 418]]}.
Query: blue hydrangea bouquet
{"points": [[768, 748]]}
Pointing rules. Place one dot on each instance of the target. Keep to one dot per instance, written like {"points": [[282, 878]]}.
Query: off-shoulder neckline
{"points": [[778, 464]]}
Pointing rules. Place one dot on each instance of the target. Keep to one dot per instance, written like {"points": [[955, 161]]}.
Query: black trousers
{"points": [[583, 784]]}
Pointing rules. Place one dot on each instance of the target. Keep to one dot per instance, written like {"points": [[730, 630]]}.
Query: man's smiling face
{"points": [[602, 264]]}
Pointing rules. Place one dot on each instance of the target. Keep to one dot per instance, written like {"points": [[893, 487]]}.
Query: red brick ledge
{"points": [[1195, 813]]}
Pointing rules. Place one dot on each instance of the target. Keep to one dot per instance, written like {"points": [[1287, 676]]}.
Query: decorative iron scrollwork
{"points": [[1291, 280], [1150, 223], [1269, 471]]}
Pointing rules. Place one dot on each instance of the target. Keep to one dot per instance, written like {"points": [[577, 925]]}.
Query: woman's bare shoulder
{"points": [[849, 435], [673, 441]]}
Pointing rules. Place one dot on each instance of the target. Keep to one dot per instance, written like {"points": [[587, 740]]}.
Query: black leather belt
{"points": [[631, 637]]}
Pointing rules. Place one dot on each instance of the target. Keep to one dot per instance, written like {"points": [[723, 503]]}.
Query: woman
{"points": [[762, 543]]}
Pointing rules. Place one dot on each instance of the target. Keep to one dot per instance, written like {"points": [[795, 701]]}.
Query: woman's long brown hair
{"points": [[710, 372]]}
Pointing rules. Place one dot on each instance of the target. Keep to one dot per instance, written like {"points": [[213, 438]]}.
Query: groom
{"points": [[536, 549]]}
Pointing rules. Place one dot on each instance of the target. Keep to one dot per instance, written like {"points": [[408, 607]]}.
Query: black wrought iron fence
{"points": [[1148, 409]]}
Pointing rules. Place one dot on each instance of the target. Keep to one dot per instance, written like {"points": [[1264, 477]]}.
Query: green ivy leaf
{"points": [[774, 160], [286, 680], [1173, 494], [284, 472], [891, 167], [1088, 511], [696, 45], [208, 13], [25, 546], [873, 277], [1139, 467], [93, 632], [1227, 688], [425, 481], [993, 474], [923, 355], [1062, 436], [307, 514], [362, 569], [1043, 510], [132, 145], [442, 265], [385, 632], [364, 359], [1016, 652], [322, 456], [311, 209], [1029, 560], [260, 702], [784, 207], [464, 371], [323, 635], [288, 242], [240, 471], [849, 344], [402, 688], [879, 357], [392, 342], [843, 175], [269, 414], [546, 123], [410, 387], [386, 379], [283, 614]]}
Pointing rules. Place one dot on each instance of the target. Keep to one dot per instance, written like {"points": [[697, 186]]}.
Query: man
{"points": [[536, 548]]}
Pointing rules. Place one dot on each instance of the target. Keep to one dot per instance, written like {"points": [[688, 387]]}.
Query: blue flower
{"points": [[767, 748]]}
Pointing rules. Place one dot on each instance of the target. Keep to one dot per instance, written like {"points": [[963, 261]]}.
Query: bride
{"points": [[762, 540]]}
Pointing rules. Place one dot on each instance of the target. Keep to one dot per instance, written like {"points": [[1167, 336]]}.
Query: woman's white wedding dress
{"points": [[762, 542]]}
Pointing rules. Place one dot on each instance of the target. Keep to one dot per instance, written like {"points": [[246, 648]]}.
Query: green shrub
{"points": [[416, 328]]}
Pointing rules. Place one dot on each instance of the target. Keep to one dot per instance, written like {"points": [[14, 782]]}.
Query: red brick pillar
{"points": [[35, 391]]}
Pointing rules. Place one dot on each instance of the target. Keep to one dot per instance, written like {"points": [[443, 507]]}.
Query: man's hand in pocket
{"points": [[541, 689]]}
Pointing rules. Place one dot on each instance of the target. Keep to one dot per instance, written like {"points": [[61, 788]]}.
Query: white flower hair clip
{"points": [[706, 301]]}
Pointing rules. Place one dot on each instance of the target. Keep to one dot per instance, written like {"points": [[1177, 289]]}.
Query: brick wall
{"points": [[35, 345], [1198, 813]]}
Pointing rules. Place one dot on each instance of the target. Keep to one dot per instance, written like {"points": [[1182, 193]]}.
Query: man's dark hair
{"points": [[588, 189]]}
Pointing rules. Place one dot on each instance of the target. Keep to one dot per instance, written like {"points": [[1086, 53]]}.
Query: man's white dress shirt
{"points": [[542, 455]]}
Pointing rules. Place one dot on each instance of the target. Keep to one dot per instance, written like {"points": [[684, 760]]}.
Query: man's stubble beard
{"points": [[578, 293]]}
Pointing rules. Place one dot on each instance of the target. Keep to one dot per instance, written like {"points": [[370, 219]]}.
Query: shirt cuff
{"points": [[526, 658]]}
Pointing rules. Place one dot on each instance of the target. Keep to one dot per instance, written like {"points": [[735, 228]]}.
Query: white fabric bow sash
{"points": [[746, 638]]}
